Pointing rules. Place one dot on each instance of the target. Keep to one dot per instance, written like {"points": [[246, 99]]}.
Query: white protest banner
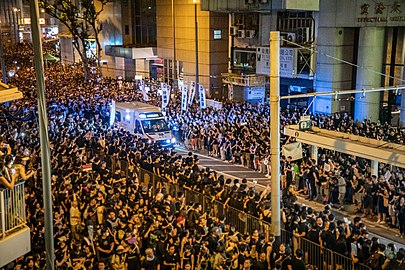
{"points": [[142, 86], [203, 103], [293, 149], [165, 95], [192, 93], [184, 93]]}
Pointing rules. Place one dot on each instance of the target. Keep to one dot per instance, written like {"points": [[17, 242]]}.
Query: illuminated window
{"points": [[217, 34]]}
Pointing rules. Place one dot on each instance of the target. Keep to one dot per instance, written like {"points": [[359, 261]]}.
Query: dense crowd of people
{"points": [[108, 219], [239, 133]]}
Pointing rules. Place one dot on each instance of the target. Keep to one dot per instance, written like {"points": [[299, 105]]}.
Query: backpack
{"points": [[374, 261]]}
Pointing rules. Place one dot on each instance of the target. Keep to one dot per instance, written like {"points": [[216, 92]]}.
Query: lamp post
{"points": [[3, 61], [175, 83], [196, 2], [275, 132], [43, 135]]}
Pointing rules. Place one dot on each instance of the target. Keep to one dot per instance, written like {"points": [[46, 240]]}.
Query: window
{"points": [[126, 29], [244, 59], [118, 116], [155, 125], [144, 22], [217, 34], [138, 128]]}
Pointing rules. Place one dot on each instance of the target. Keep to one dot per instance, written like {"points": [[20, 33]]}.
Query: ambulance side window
{"points": [[138, 128], [118, 116]]}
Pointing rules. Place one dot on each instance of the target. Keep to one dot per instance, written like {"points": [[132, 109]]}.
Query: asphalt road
{"points": [[230, 170]]}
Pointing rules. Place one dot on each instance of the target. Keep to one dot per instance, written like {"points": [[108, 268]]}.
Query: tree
{"points": [[80, 17], [90, 15]]}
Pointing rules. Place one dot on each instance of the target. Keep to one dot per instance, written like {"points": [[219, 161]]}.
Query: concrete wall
{"points": [[332, 74]]}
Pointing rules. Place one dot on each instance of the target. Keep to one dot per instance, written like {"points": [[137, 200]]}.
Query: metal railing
{"points": [[244, 80], [315, 255], [12, 209]]}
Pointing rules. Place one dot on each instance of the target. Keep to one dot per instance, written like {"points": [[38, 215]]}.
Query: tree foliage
{"points": [[80, 17]]}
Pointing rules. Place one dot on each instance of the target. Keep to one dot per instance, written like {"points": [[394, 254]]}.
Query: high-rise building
{"points": [[10, 15], [129, 39], [326, 45]]}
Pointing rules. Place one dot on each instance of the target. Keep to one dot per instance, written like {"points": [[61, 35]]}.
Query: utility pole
{"points": [[175, 82], [275, 132], [197, 82], [43, 134]]}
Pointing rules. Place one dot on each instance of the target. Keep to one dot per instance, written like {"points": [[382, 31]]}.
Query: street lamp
{"points": [[175, 83], [2, 60], [196, 2]]}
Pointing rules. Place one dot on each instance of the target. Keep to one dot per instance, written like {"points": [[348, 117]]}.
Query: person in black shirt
{"points": [[368, 197], [288, 171], [151, 262], [287, 262], [297, 261], [171, 260], [261, 264], [105, 245]]}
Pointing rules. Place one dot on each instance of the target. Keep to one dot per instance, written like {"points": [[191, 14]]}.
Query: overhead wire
{"points": [[344, 61]]}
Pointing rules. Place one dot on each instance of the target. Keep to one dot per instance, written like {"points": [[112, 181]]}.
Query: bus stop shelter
{"points": [[372, 149]]}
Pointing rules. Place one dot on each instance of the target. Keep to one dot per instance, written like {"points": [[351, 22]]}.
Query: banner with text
{"points": [[184, 92], [143, 89], [203, 103], [287, 61], [165, 95], [192, 93]]}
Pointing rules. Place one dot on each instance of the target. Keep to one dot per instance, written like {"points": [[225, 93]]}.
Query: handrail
{"points": [[12, 209]]}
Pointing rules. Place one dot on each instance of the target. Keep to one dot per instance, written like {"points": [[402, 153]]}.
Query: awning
{"points": [[372, 149], [51, 58]]}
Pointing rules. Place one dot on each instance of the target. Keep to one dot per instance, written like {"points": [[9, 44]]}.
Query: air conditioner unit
{"points": [[283, 39], [291, 37], [249, 2], [250, 33], [233, 30], [303, 35], [241, 33]]}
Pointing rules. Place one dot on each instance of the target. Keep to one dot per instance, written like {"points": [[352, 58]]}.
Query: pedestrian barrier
{"points": [[12, 209], [315, 256]]}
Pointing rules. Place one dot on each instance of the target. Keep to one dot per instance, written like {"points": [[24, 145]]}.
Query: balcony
{"points": [[15, 239], [244, 80], [131, 52]]}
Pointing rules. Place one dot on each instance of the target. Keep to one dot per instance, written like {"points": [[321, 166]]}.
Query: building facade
{"points": [[11, 12], [325, 47], [179, 44]]}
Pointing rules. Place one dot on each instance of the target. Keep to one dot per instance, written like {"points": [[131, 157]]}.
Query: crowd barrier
{"points": [[12, 209], [315, 255]]}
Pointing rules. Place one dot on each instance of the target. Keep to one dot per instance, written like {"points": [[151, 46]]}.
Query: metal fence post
{"points": [[153, 184], [3, 215]]}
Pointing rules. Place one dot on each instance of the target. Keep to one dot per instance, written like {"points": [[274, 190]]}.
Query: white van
{"points": [[143, 120]]}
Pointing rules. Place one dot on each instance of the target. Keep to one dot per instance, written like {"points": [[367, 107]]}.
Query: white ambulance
{"points": [[143, 120]]}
